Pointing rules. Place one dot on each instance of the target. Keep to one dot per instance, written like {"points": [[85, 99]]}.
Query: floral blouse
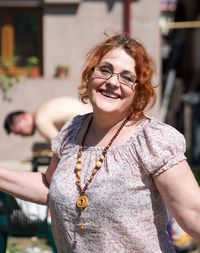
{"points": [[126, 213]]}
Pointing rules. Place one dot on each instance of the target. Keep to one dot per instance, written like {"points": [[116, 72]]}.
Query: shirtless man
{"points": [[48, 119]]}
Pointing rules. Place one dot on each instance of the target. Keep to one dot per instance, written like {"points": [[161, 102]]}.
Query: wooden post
{"points": [[7, 38], [127, 5]]}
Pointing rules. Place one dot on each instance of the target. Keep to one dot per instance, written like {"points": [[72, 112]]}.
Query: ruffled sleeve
{"points": [[66, 137], [159, 147]]}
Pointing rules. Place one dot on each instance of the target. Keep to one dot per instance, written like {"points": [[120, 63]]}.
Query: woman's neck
{"points": [[106, 122]]}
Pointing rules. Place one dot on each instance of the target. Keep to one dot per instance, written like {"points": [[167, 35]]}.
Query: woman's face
{"points": [[111, 93]]}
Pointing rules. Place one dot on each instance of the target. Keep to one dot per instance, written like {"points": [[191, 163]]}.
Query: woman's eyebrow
{"points": [[128, 72], [107, 63]]}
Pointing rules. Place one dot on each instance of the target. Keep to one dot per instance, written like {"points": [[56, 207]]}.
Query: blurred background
{"points": [[55, 36], [43, 45]]}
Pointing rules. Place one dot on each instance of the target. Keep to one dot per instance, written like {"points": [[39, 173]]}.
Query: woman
{"points": [[114, 169]]}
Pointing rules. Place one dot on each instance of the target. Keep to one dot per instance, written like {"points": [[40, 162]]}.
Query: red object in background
{"points": [[168, 5], [127, 11]]}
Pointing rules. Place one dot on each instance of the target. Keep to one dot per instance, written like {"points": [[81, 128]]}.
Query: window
{"points": [[21, 35]]}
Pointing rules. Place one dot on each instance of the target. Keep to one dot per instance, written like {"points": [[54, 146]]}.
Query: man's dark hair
{"points": [[8, 122]]}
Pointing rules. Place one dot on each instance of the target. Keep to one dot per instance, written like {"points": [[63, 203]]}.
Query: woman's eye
{"points": [[128, 78], [105, 71]]}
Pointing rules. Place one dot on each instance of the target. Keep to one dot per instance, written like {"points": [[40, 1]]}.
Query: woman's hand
{"points": [[30, 186]]}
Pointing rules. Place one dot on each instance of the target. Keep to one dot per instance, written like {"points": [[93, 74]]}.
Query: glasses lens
{"points": [[124, 78], [127, 79], [102, 72]]}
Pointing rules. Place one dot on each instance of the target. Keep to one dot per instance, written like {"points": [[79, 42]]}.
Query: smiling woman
{"points": [[113, 96], [112, 175], [143, 67]]}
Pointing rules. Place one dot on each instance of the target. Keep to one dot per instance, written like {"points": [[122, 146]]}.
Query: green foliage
{"points": [[8, 76], [8, 63], [13, 248], [32, 61], [7, 82], [29, 245]]}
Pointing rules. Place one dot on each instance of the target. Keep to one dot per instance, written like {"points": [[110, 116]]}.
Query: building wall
{"points": [[144, 23], [72, 30], [69, 31]]}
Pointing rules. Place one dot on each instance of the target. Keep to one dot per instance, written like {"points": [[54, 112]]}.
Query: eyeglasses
{"points": [[123, 77]]}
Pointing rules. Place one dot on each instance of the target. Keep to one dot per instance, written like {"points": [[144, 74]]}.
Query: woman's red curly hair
{"points": [[144, 68]]}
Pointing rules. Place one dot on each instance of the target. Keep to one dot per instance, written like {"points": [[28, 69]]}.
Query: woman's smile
{"points": [[107, 92]]}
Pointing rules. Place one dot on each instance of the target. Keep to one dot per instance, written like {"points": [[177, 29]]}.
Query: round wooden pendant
{"points": [[82, 201]]}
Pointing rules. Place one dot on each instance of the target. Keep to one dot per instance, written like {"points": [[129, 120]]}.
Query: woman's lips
{"points": [[109, 94]]}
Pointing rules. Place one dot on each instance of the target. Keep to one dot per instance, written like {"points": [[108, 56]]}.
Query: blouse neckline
{"points": [[139, 128]]}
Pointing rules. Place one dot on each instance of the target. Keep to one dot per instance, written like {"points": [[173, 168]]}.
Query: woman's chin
{"points": [[106, 104], [107, 107]]}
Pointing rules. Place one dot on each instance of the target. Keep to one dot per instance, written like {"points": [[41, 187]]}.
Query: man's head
{"points": [[20, 123]]}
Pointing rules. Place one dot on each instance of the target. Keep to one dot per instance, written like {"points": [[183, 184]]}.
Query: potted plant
{"points": [[33, 66], [8, 65], [8, 75], [62, 71]]}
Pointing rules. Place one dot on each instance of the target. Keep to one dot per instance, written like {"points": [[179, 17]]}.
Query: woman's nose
{"points": [[113, 81]]}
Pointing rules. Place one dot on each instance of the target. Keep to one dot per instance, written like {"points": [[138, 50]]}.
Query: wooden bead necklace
{"points": [[83, 199]]}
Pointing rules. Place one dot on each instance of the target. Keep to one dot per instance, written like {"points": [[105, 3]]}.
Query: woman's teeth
{"points": [[109, 94]]}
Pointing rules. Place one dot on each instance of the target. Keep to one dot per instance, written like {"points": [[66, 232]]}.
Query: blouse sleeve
{"points": [[66, 136], [159, 148]]}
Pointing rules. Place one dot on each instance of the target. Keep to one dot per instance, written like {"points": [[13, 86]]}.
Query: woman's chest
{"points": [[118, 182]]}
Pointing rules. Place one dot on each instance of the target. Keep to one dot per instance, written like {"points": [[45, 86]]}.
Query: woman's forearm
{"points": [[30, 186]]}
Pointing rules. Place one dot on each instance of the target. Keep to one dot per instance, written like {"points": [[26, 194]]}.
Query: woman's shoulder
{"points": [[155, 128], [68, 133], [74, 124], [159, 146]]}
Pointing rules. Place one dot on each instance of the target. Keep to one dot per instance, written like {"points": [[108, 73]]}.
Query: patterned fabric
{"points": [[126, 213]]}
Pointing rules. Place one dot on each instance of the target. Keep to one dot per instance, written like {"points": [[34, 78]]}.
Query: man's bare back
{"points": [[53, 114]]}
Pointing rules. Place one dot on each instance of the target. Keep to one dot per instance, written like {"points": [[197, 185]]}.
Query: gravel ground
{"points": [[27, 245], [35, 245]]}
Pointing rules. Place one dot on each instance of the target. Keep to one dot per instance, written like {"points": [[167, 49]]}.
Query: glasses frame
{"points": [[118, 77]]}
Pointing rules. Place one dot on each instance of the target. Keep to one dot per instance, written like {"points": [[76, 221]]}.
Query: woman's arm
{"points": [[181, 194], [30, 186]]}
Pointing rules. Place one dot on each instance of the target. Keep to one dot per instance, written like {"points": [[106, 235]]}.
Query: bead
{"points": [[104, 153], [89, 180], [94, 172], [82, 201], [78, 166], [78, 181], [78, 174], [101, 158], [82, 226], [98, 165]]}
